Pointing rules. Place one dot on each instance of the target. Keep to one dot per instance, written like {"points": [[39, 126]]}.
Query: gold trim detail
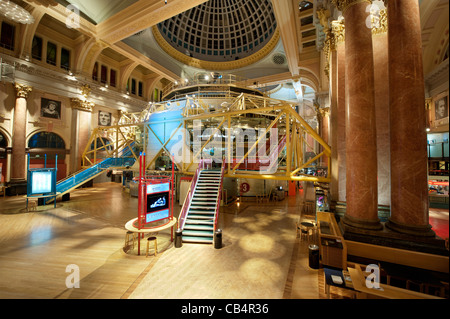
{"points": [[343, 5], [338, 29], [78, 104], [380, 23], [208, 65], [22, 90]]}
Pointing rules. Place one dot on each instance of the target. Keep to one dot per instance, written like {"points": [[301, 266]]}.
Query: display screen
{"points": [[156, 188], [42, 182], [157, 202], [152, 217]]}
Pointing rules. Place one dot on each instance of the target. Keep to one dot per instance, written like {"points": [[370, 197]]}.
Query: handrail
{"points": [[219, 195], [187, 200]]}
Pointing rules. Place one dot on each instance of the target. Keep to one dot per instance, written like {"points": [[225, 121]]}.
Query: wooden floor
{"points": [[261, 255]]}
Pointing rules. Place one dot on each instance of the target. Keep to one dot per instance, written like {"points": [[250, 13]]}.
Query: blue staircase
{"points": [[125, 159], [201, 215]]}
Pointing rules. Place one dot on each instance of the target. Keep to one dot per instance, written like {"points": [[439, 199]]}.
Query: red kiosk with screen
{"points": [[155, 200]]}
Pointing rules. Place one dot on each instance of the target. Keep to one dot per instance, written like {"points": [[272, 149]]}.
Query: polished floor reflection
{"points": [[88, 231], [261, 255]]}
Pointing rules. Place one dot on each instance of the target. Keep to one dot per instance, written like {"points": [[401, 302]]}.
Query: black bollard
{"points": [[218, 239], [178, 238]]}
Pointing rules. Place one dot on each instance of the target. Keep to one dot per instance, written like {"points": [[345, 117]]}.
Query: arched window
{"points": [[46, 143], [3, 142], [3, 145], [46, 140]]}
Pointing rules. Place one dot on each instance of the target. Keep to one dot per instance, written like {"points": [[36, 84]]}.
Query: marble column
{"points": [[80, 131], [409, 192], [339, 33], [361, 139], [333, 171], [381, 71], [18, 167]]}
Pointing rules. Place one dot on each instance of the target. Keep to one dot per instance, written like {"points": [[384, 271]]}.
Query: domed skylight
{"points": [[221, 30]]}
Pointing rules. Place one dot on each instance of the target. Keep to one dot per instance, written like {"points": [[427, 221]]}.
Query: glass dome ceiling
{"points": [[221, 30]]}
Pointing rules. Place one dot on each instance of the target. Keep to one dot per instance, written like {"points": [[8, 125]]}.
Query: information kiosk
{"points": [[41, 182], [155, 203]]}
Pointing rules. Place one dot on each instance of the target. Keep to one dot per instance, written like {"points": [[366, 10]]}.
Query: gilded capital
{"points": [[338, 29], [78, 104], [379, 22], [22, 90], [343, 5]]}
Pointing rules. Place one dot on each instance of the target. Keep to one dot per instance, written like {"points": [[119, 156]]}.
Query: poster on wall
{"points": [[104, 118], [441, 108], [50, 109]]}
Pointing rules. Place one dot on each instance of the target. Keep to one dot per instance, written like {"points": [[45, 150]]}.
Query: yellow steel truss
{"points": [[280, 113]]}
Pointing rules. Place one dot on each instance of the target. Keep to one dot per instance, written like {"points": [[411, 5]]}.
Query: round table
{"points": [[130, 226]]}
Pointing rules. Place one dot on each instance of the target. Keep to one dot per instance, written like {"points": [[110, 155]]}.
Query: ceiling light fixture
{"points": [[15, 12]]}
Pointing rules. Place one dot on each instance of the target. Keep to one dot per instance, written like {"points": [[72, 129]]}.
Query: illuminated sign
{"points": [[157, 188], [42, 181], [157, 202], [157, 216]]}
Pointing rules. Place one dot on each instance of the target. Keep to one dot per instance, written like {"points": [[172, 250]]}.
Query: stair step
{"points": [[204, 196], [201, 212], [190, 226], [199, 222], [195, 216], [193, 239], [204, 204], [198, 233]]}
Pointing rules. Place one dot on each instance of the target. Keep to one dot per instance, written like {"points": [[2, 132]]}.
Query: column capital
{"points": [[22, 90], [338, 29], [79, 104], [380, 22], [343, 5]]}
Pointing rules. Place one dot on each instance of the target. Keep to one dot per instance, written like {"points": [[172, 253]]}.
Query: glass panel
{"points": [[112, 78], [65, 59], [7, 36], [140, 88], [133, 86], [103, 74], [36, 48], [46, 140], [95, 72], [51, 53]]}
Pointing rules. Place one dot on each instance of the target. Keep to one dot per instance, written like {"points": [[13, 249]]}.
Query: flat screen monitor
{"points": [[157, 202]]}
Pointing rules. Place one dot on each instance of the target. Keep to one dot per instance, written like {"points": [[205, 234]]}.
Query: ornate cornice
{"points": [[22, 90], [78, 104], [208, 65], [343, 5]]}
